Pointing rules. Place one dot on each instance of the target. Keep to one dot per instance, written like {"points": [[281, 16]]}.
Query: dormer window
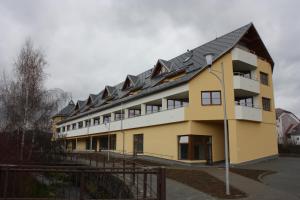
{"points": [[127, 84], [108, 92], [130, 82], [161, 67]]}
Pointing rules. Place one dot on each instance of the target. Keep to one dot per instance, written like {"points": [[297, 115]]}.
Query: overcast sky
{"points": [[93, 43]]}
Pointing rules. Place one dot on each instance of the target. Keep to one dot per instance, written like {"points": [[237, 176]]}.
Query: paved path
{"points": [[179, 191], [254, 189], [287, 176]]}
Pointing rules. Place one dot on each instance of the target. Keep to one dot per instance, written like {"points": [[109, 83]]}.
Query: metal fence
{"points": [[84, 176]]}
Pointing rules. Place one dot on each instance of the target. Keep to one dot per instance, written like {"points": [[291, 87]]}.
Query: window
{"points": [[80, 124], [87, 122], [152, 109], [264, 79], [246, 101], [138, 143], [211, 98], [74, 126], [266, 104], [134, 113], [176, 103], [106, 119], [68, 127], [97, 120], [119, 116], [63, 129]]}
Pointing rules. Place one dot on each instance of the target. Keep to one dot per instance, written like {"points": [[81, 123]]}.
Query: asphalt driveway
{"points": [[287, 176]]}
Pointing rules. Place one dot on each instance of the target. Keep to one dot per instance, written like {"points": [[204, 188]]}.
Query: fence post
{"points": [[145, 184], [81, 194], [90, 156], [133, 174], [123, 169], [161, 183], [5, 183], [103, 162]]}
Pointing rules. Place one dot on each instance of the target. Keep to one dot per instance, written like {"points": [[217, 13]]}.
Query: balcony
{"points": [[156, 118], [245, 86], [243, 60], [251, 113]]}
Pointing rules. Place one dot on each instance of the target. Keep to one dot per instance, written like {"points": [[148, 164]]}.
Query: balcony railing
{"points": [[243, 59], [245, 75], [248, 112], [245, 86], [149, 119]]}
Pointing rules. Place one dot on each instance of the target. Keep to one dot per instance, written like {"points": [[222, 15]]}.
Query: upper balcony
{"points": [[243, 60], [245, 86], [150, 119]]}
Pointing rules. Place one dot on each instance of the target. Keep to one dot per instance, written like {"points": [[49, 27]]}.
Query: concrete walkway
{"points": [[254, 189]]}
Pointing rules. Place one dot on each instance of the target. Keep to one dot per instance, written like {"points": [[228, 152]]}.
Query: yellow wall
{"points": [[162, 141], [205, 81], [214, 129], [252, 140]]}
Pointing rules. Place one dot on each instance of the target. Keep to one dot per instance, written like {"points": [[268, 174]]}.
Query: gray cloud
{"points": [[93, 43]]}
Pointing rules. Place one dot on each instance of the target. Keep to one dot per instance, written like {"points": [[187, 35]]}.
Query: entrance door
{"points": [[103, 141]]}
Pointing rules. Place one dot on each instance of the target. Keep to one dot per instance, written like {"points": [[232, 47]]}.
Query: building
{"points": [[174, 110], [287, 127], [294, 136]]}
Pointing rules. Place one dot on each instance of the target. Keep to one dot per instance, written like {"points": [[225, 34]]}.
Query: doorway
{"points": [[195, 147]]}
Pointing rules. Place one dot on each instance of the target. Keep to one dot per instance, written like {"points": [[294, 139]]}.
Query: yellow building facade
{"points": [[175, 111]]}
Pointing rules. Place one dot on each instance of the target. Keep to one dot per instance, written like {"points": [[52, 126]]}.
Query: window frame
{"points": [[134, 113], [138, 142], [266, 78], [210, 97], [268, 108]]}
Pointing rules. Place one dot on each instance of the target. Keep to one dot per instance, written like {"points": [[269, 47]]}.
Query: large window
{"points": [[176, 103], [264, 79], [211, 98], [266, 104], [152, 109], [138, 143], [134, 113], [195, 147]]}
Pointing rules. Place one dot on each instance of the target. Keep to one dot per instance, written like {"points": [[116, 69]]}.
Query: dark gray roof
{"points": [[66, 111], [192, 62]]}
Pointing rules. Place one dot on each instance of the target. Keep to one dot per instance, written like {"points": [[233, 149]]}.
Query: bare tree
{"points": [[26, 105]]}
